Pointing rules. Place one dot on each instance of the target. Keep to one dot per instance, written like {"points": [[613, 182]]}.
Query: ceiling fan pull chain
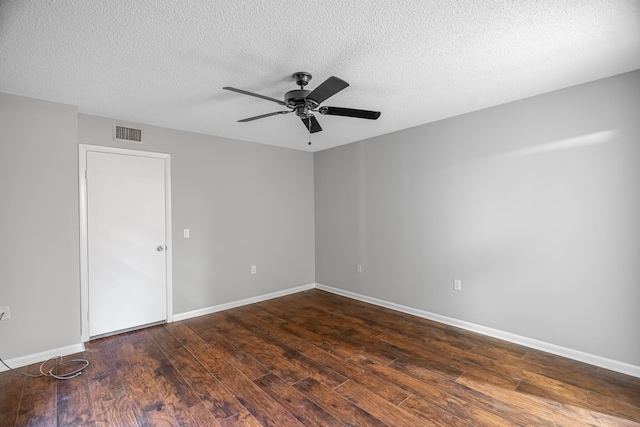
{"points": [[309, 121]]}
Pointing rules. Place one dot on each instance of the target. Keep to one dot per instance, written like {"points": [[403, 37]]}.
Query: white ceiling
{"points": [[164, 62]]}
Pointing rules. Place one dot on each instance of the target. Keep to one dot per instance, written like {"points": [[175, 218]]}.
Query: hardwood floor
{"points": [[318, 359]]}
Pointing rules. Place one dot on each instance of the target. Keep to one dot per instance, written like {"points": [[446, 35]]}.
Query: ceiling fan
{"points": [[304, 102]]}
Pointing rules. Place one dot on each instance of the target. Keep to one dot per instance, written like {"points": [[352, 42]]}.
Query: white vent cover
{"points": [[122, 133]]}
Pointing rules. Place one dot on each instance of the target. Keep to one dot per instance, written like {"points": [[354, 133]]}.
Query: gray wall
{"points": [[534, 205], [244, 204], [39, 236]]}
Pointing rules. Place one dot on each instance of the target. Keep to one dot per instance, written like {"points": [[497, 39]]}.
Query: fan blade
{"points": [[311, 124], [263, 116], [244, 92], [349, 112], [327, 89]]}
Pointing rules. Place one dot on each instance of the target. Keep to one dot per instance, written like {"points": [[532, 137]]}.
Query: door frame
{"points": [[83, 149]]}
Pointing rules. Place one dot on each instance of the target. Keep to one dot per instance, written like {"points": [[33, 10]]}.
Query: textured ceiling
{"points": [[164, 62]]}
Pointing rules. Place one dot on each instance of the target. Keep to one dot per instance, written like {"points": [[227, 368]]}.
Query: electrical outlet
{"points": [[359, 268], [254, 269], [186, 233], [457, 285], [6, 311]]}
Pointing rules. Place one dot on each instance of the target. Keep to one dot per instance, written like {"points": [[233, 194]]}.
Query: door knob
{"points": [[160, 248]]}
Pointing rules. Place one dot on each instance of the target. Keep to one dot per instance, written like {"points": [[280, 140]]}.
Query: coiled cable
{"points": [[54, 372]]}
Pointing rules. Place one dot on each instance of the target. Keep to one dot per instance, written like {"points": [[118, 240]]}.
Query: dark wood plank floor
{"points": [[318, 359]]}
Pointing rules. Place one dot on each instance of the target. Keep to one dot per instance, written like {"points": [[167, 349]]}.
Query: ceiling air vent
{"points": [[122, 133]]}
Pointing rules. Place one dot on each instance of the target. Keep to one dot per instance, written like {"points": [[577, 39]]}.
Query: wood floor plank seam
{"points": [[20, 395], [410, 395]]}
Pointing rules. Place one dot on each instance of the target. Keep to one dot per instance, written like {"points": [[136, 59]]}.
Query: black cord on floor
{"points": [[53, 372]]}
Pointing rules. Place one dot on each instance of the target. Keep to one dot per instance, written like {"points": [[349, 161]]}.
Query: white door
{"points": [[126, 242]]}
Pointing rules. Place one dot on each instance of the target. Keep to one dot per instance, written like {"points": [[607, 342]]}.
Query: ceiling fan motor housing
{"points": [[297, 99]]}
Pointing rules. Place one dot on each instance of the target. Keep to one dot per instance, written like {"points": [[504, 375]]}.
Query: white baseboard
{"points": [[580, 356], [239, 303], [30, 359]]}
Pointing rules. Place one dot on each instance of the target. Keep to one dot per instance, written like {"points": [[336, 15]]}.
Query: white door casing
{"points": [[125, 239]]}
